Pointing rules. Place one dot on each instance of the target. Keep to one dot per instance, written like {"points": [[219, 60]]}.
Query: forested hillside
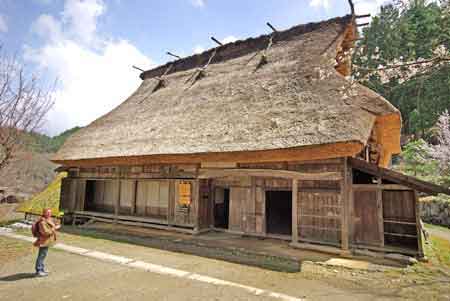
{"points": [[30, 169], [404, 56], [44, 144]]}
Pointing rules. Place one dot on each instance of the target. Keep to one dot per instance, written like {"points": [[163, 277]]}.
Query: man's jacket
{"points": [[47, 233]]}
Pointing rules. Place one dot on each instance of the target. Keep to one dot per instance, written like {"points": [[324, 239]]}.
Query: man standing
{"points": [[46, 236]]}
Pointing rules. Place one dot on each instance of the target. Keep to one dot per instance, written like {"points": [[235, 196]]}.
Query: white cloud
{"points": [[198, 49], [368, 7], [3, 24], [82, 17], [198, 3], [47, 27], [361, 6], [229, 39], [94, 75], [320, 3]]}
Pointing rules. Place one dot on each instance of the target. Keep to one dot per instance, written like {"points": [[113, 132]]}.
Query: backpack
{"points": [[35, 229]]}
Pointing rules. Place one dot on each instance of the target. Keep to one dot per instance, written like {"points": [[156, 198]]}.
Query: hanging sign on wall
{"points": [[184, 194]]}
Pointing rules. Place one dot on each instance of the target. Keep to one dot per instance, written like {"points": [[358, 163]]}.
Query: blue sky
{"points": [[90, 45]]}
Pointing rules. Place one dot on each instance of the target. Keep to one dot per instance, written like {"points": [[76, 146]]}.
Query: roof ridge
{"points": [[238, 48]]}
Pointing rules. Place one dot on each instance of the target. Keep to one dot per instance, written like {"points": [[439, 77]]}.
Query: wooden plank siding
{"points": [[127, 197], [66, 194], [204, 219], [366, 227], [399, 214], [319, 216], [328, 207]]}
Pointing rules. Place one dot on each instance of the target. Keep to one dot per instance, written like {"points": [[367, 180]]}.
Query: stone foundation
{"points": [[435, 211]]}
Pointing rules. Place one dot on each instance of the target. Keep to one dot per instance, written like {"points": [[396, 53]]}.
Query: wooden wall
{"points": [[385, 216], [330, 212], [319, 202], [319, 212], [399, 218], [154, 199]]}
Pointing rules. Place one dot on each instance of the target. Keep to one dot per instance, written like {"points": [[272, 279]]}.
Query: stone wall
{"points": [[435, 211]]}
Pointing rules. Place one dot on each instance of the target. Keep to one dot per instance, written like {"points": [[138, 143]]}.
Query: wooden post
{"points": [[117, 203], [294, 211], [133, 201], [350, 217], [350, 204], [380, 210], [197, 201], [418, 225], [171, 210], [344, 207]]}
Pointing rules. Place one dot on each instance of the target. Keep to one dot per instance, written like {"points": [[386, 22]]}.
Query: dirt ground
{"points": [[74, 277], [7, 213]]}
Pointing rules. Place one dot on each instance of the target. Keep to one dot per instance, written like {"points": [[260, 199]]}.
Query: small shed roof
{"points": [[296, 99], [396, 177]]}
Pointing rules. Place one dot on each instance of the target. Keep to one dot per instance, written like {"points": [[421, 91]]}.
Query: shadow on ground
{"points": [[16, 277], [214, 248], [270, 254]]}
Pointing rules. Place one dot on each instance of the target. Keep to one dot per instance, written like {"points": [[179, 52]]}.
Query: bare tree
{"points": [[23, 105]]}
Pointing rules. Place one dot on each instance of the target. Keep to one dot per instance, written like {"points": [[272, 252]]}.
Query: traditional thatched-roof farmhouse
{"points": [[262, 137]]}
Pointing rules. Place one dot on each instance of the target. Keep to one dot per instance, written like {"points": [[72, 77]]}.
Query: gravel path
{"points": [[439, 232]]}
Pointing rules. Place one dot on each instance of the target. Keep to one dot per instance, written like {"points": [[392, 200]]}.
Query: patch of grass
{"points": [[9, 222], [437, 227], [11, 249], [441, 250], [48, 198]]}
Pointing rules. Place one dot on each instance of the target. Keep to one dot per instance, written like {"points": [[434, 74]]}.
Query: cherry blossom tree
{"points": [[441, 151]]}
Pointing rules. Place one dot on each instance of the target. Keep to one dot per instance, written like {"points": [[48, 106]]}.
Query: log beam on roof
{"points": [[398, 178], [206, 173]]}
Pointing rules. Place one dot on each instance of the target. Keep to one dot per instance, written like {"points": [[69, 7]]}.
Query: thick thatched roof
{"points": [[296, 99]]}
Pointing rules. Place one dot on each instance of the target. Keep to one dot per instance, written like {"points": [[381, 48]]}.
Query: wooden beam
{"points": [[205, 173], [271, 27], [388, 221], [362, 16], [382, 186], [319, 248], [398, 178], [304, 153], [294, 211], [352, 7], [216, 41]]}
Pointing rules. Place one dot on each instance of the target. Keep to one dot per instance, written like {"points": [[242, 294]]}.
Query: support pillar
{"points": [[345, 195], [294, 211]]}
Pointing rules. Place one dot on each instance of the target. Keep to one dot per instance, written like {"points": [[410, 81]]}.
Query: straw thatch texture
{"points": [[296, 99]]}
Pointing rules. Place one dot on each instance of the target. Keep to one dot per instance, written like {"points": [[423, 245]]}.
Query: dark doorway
{"points": [[279, 212], [89, 203], [221, 207]]}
